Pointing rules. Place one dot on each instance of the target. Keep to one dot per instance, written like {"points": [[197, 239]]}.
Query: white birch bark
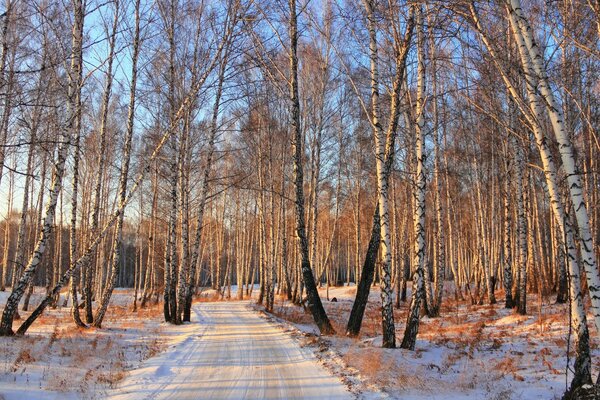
{"points": [[97, 189], [57, 176], [440, 250], [412, 324], [507, 243], [6, 80], [123, 198], [389, 335], [314, 301], [578, 317], [567, 155]]}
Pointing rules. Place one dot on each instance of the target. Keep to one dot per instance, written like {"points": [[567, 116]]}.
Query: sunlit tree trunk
{"points": [[314, 301], [578, 318], [537, 69], [507, 242], [75, 136], [7, 237], [412, 323], [122, 191], [57, 175], [439, 238], [384, 162], [7, 55], [389, 336], [101, 171]]}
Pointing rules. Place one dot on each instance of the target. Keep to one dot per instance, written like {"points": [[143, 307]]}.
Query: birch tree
{"points": [[412, 323], [531, 54], [74, 78], [314, 301], [385, 149]]}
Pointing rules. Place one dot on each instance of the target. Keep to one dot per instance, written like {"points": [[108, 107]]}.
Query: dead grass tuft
{"points": [[24, 357], [292, 313], [111, 378]]}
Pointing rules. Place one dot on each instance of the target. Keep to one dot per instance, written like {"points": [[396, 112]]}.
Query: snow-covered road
{"points": [[230, 352]]}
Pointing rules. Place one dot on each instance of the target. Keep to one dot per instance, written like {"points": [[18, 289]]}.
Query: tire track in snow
{"points": [[234, 354]]}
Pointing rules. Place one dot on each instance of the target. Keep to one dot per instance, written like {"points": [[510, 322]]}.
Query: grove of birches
{"points": [[282, 146]]}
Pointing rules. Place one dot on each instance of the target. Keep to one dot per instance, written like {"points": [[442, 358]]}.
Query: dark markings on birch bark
{"points": [[314, 301]]}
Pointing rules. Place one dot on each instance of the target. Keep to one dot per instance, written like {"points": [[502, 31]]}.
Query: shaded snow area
{"points": [[56, 360], [234, 350], [228, 351], [470, 352]]}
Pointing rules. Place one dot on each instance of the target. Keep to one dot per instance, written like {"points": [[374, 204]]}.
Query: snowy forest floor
{"points": [[56, 360], [471, 351]]}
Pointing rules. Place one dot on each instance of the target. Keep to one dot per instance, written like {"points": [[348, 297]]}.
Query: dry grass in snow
{"points": [[471, 351], [56, 360]]}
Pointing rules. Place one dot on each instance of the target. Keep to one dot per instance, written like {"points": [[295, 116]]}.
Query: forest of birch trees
{"points": [[277, 147]]}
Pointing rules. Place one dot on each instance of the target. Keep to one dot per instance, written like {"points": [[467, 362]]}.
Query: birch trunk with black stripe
{"points": [[122, 193], [76, 140], [368, 269], [57, 174], [20, 251], [97, 190], [272, 272], [6, 80], [509, 170], [412, 323], [34, 125], [439, 237], [567, 154], [184, 268], [314, 301], [582, 366], [387, 314]]}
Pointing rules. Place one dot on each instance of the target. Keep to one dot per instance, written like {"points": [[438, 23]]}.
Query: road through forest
{"points": [[233, 354]]}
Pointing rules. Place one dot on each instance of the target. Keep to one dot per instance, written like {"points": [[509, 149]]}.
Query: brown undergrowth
{"points": [[469, 347]]}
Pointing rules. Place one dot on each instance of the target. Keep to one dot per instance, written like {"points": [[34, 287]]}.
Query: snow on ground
{"points": [[56, 360], [228, 351], [483, 352], [232, 353]]}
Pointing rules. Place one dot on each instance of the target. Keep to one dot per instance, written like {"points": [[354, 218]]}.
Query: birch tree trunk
{"points": [[76, 140], [507, 249], [57, 174], [401, 49], [314, 301], [7, 236], [184, 268], [439, 238], [123, 198], [28, 187], [582, 374], [412, 323], [567, 154], [97, 190], [387, 311], [7, 82]]}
